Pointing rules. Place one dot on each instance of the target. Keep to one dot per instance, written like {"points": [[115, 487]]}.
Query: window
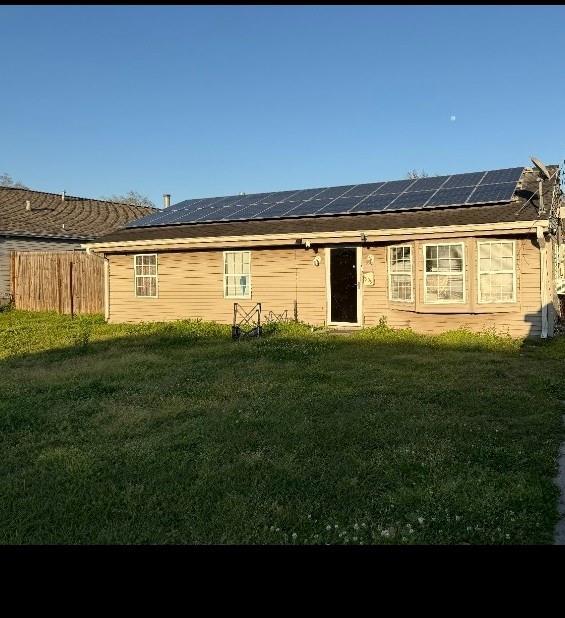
{"points": [[237, 275], [145, 275], [497, 271], [400, 283], [444, 273]]}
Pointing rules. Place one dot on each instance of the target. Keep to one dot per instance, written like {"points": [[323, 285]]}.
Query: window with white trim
{"points": [[400, 278], [444, 273], [145, 267], [237, 274], [497, 271]]}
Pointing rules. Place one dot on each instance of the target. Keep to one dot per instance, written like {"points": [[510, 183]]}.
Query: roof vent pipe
{"points": [[166, 200], [28, 205], [63, 196]]}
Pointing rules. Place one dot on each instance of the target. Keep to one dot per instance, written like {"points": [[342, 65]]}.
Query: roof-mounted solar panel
{"points": [[427, 184], [364, 190], [449, 197], [484, 187], [464, 180], [508, 175], [333, 192], [414, 199], [501, 192], [373, 203]]}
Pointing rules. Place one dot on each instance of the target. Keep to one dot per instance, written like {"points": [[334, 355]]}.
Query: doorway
{"points": [[344, 285]]}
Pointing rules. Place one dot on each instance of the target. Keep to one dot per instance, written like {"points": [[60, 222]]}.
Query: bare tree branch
{"points": [[414, 174], [131, 197], [7, 181]]}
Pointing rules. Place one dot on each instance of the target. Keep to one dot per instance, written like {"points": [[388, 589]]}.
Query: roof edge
{"points": [[79, 197], [371, 235]]}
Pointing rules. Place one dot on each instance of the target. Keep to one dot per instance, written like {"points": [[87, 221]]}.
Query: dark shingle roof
{"points": [[83, 218], [522, 207]]}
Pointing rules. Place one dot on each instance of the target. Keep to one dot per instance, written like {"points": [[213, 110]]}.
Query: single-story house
{"points": [[476, 250], [40, 221]]}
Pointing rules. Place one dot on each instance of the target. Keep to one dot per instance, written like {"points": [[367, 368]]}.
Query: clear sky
{"points": [[204, 101]]}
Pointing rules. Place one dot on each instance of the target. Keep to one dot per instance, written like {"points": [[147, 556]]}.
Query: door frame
{"points": [[358, 267]]}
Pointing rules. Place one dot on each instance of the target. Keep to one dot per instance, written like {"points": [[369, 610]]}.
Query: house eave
{"points": [[367, 235]]}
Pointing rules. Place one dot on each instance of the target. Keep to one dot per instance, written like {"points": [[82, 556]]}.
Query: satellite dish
{"points": [[541, 168]]}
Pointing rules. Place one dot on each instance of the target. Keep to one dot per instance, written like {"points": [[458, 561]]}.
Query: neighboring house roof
{"points": [[520, 205], [82, 218]]}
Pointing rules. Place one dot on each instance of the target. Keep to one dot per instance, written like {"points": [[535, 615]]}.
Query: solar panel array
{"points": [[422, 193]]}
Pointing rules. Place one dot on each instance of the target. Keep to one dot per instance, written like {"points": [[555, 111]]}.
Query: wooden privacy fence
{"points": [[64, 281]]}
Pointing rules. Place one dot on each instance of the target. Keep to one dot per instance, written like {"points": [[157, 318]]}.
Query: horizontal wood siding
{"points": [[520, 319], [191, 286]]}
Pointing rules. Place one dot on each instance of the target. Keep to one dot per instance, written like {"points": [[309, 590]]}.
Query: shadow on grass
{"points": [[55, 337], [175, 433]]}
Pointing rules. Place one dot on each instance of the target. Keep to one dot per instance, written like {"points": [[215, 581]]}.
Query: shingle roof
{"points": [[83, 218], [522, 207]]}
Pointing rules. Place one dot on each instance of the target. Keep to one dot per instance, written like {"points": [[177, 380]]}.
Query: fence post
{"points": [[13, 276], [59, 286], [71, 288]]}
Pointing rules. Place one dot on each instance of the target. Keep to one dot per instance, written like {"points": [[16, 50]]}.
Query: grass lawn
{"points": [[176, 434]]}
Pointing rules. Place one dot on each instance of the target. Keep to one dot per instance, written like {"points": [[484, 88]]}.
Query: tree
{"points": [[7, 181], [131, 197], [414, 174]]}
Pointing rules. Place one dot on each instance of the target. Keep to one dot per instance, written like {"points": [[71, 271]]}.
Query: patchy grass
{"points": [[173, 433]]}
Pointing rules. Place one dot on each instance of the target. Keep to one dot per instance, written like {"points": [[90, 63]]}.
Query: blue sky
{"points": [[204, 101]]}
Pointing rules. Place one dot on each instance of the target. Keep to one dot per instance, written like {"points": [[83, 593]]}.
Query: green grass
{"points": [[173, 433]]}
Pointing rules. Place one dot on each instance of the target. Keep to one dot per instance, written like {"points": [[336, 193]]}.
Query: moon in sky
{"points": [[453, 118]]}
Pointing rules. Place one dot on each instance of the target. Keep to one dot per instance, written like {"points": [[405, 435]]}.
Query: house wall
{"points": [[191, 286], [520, 319], [8, 244]]}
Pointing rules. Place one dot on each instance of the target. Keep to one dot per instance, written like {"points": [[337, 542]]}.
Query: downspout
{"points": [[106, 289], [543, 280]]}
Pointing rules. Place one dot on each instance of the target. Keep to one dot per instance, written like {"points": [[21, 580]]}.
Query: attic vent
{"points": [[63, 196], [28, 205]]}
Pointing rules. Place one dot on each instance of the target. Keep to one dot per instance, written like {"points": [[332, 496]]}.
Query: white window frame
{"points": [[225, 275], [155, 276], [391, 272], [463, 273], [495, 272]]}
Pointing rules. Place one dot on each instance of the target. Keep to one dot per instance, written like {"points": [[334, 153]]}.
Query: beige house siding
{"points": [[190, 285], [521, 318]]}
